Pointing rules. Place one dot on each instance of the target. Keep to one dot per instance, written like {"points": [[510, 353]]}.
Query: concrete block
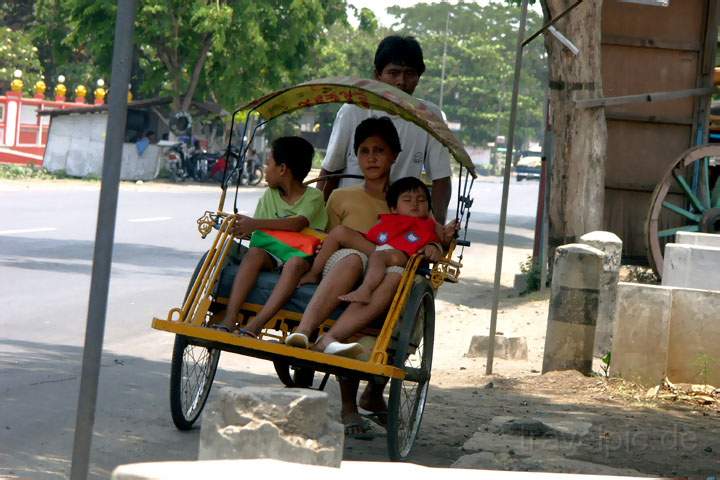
{"points": [[260, 422], [140, 167], [699, 239], [508, 348], [573, 309], [642, 327], [520, 283], [691, 266], [611, 245], [694, 340]]}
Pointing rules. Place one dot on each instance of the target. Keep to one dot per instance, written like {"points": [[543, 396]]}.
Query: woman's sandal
{"points": [[220, 327]]}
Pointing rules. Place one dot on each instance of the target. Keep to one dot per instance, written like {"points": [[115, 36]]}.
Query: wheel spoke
{"points": [[672, 231], [715, 194], [681, 211], [688, 191], [706, 182]]}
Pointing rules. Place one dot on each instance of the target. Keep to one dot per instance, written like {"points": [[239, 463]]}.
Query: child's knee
{"points": [[340, 232], [397, 258], [297, 264]]}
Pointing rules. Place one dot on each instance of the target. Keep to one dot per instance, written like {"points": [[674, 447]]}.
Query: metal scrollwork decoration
{"points": [[206, 223]]}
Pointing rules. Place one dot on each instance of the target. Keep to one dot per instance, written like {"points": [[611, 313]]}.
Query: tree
{"points": [[579, 134], [228, 50], [18, 53], [479, 66], [50, 33]]}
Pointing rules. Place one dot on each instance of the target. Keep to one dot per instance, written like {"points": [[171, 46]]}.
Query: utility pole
{"points": [[442, 73]]}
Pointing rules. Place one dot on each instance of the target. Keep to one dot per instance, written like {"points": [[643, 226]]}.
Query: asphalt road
{"points": [[46, 243]]}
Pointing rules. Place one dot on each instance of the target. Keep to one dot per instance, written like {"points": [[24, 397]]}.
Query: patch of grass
{"points": [[531, 270], [20, 172]]}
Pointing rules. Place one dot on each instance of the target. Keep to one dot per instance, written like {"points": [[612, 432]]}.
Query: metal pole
{"points": [[102, 256], [442, 73], [548, 153], [506, 187]]}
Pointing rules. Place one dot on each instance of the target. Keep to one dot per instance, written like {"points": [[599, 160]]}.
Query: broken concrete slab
{"points": [[611, 245], [539, 426], [691, 266], [264, 422], [699, 239], [508, 348], [642, 329], [542, 461]]}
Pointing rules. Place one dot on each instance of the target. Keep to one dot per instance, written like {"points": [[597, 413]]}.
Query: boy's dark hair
{"points": [[295, 153], [381, 127], [403, 51], [406, 184]]}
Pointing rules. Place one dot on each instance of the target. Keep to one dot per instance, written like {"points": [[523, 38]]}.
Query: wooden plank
{"points": [[643, 97], [640, 153], [681, 22], [625, 41], [632, 117]]}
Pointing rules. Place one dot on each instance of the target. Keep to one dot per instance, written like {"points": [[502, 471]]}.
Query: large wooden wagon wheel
{"points": [[686, 199]]}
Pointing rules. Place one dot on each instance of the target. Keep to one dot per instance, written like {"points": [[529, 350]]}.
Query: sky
{"points": [[379, 7]]}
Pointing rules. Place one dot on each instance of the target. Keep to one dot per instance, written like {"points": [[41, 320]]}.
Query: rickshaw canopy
{"points": [[366, 94]]}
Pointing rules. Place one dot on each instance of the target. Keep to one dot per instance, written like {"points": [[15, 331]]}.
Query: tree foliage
{"points": [[59, 55], [17, 52], [227, 50], [479, 66]]}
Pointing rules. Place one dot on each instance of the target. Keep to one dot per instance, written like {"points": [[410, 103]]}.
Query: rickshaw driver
{"points": [[398, 62]]}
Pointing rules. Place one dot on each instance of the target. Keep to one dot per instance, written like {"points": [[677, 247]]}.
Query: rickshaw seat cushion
{"points": [[264, 287]]}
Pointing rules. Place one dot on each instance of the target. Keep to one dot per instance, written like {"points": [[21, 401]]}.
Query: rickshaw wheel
{"points": [[299, 378], [192, 374], [413, 353]]}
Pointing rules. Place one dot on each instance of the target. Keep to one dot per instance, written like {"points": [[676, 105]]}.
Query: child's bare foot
{"points": [[310, 277], [356, 296]]}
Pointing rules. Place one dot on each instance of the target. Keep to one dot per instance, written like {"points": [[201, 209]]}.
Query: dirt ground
{"points": [[628, 430]]}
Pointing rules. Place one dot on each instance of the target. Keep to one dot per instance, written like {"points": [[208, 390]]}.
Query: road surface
{"points": [[47, 231]]}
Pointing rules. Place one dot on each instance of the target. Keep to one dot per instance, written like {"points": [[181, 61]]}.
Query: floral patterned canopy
{"points": [[364, 93]]}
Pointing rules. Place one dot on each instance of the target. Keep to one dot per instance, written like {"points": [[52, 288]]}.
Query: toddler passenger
{"points": [[408, 229]]}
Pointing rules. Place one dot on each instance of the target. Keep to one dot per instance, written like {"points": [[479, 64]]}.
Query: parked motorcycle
{"points": [[252, 171]]}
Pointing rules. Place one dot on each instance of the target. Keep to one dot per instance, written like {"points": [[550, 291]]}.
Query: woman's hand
{"points": [[432, 252], [244, 225]]}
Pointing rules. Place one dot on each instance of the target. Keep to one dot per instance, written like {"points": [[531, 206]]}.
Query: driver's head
{"points": [[399, 62]]}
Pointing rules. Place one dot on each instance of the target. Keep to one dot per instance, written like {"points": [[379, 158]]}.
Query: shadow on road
{"points": [[74, 256], [39, 385]]}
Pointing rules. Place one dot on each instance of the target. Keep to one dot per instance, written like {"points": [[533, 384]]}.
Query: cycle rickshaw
{"points": [[401, 349]]}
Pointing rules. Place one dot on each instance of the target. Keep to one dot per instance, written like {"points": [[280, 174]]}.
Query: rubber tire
{"points": [[422, 295], [181, 420], [299, 378], [259, 174]]}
